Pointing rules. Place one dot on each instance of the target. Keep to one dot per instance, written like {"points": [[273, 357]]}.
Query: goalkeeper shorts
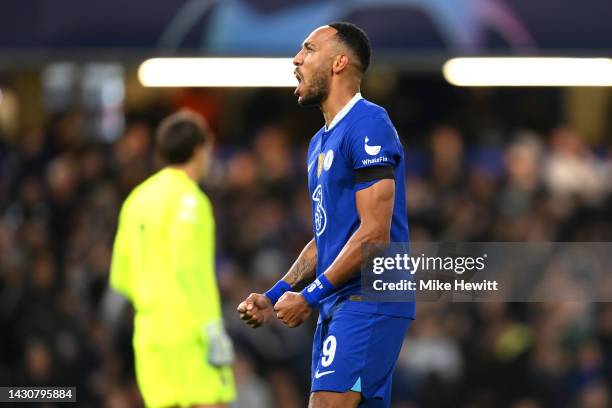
{"points": [[180, 375]]}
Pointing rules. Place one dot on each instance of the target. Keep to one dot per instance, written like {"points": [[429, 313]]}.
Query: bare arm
{"points": [[256, 307], [304, 268], [375, 209]]}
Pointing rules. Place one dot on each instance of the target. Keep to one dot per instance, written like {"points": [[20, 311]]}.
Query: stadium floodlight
{"points": [[529, 71], [217, 72]]}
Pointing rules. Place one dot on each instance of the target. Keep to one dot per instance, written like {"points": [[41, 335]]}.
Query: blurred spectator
{"points": [[572, 171]]}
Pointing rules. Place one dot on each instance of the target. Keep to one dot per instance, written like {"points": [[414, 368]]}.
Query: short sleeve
{"points": [[373, 142]]}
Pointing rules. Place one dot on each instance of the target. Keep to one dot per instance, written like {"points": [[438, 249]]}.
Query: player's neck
{"points": [[188, 168], [335, 102]]}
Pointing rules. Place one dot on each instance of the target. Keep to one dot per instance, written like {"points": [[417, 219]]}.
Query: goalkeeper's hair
{"points": [[179, 135]]}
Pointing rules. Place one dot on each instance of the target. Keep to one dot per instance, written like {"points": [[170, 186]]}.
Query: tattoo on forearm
{"points": [[301, 270]]}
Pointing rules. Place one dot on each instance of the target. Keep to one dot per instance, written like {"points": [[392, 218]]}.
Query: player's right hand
{"points": [[255, 309]]}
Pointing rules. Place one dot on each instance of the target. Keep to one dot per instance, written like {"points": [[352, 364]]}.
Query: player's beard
{"points": [[318, 90]]}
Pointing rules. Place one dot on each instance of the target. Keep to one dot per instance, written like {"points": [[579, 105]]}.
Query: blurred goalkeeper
{"points": [[163, 262]]}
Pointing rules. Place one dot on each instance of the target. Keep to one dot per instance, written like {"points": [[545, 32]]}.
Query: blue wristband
{"points": [[318, 290], [276, 291]]}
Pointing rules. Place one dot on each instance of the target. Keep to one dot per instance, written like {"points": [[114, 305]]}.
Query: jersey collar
{"points": [[344, 111]]}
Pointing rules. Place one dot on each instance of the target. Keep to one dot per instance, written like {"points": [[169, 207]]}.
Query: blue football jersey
{"points": [[363, 137]]}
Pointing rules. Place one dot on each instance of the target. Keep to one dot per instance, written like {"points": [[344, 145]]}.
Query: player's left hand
{"points": [[292, 309]]}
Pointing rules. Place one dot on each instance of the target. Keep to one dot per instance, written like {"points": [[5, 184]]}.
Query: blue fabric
{"points": [[357, 351], [364, 137], [276, 291], [357, 386], [317, 290]]}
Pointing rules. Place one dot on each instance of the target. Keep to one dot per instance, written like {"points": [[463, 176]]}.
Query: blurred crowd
{"points": [[60, 325]]}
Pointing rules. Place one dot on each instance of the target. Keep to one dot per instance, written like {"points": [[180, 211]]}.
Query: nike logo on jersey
{"points": [[321, 374], [371, 150]]}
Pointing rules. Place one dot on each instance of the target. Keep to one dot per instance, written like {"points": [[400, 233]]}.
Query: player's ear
{"points": [[340, 63]]}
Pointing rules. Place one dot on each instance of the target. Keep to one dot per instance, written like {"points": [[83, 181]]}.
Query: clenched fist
{"points": [[255, 309], [292, 309]]}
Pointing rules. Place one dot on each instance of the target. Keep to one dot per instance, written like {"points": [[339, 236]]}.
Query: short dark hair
{"points": [[357, 40], [179, 134]]}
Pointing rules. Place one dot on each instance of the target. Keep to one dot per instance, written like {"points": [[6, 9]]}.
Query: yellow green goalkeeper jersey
{"points": [[163, 259]]}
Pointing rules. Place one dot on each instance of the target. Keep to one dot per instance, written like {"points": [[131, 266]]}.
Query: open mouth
{"points": [[299, 79], [297, 76]]}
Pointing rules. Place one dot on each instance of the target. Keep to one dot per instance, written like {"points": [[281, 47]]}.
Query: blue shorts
{"points": [[357, 351]]}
